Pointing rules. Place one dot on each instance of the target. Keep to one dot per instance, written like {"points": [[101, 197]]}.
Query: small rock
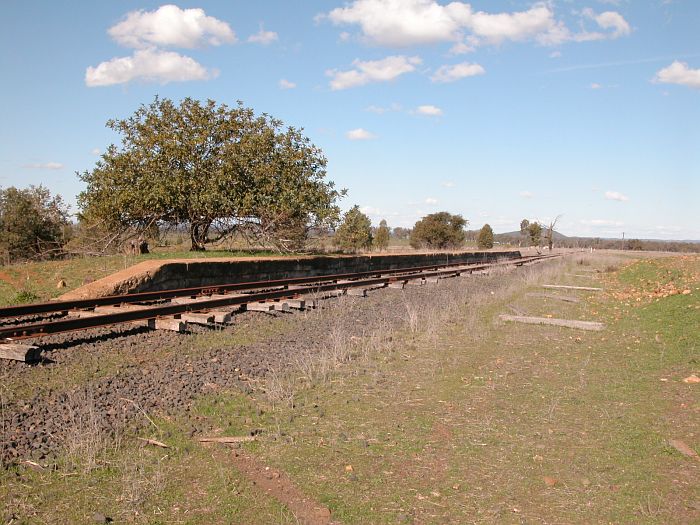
{"points": [[586, 482], [61, 284], [692, 378], [98, 517], [550, 481]]}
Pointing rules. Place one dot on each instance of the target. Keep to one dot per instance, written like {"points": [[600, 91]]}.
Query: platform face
{"points": [[166, 274]]}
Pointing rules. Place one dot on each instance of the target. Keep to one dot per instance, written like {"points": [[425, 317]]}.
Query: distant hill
{"points": [[564, 241]]}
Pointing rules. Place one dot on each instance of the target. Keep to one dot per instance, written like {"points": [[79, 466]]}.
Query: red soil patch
{"points": [[278, 485]]}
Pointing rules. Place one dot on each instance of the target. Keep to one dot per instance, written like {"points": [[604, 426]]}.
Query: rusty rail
{"points": [[317, 284], [142, 297]]}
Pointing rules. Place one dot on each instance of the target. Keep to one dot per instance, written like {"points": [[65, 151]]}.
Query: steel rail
{"points": [[65, 306], [67, 325]]}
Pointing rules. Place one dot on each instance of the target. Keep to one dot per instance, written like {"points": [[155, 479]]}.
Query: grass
{"points": [[456, 417], [35, 281]]}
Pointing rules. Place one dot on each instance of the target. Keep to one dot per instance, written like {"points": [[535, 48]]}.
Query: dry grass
{"points": [[425, 318], [475, 422], [88, 446]]}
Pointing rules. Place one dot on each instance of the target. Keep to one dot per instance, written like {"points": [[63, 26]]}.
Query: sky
{"points": [[499, 110]]}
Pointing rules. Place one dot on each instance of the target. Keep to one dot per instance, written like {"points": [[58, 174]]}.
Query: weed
{"points": [[24, 296], [87, 445]]}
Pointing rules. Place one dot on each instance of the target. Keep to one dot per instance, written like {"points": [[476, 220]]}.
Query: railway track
{"points": [[153, 306]]}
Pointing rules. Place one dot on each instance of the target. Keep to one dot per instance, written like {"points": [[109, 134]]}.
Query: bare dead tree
{"points": [[550, 231]]}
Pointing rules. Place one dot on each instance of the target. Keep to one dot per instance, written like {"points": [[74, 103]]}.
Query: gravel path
{"points": [[136, 371]]}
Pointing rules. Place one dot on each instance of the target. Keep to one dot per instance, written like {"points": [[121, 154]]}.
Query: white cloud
{"points": [[401, 23], [429, 110], [383, 70], [527, 194], [148, 65], [555, 54], [430, 201], [468, 45], [96, 151], [171, 26], [538, 23], [411, 22], [448, 184], [457, 71], [360, 134], [286, 84], [45, 166], [679, 73], [616, 196], [380, 110], [595, 85], [601, 222], [404, 23], [613, 22], [610, 20], [263, 37]]}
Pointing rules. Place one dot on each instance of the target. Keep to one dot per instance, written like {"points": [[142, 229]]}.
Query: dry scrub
{"points": [[424, 312]]}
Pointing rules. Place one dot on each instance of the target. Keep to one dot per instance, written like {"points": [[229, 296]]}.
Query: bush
{"points": [[355, 232], [534, 230], [439, 230], [381, 239], [33, 224], [485, 239]]}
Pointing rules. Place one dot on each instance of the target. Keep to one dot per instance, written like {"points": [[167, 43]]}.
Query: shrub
{"points": [[355, 232], [439, 230], [485, 239], [381, 239], [33, 224]]}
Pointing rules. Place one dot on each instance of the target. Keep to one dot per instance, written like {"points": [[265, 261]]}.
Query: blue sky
{"points": [[497, 110]]}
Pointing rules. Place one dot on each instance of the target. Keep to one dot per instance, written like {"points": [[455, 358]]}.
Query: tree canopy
{"points": [[381, 238], [485, 239], [439, 230], [355, 232], [210, 167], [534, 230], [33, 224]]}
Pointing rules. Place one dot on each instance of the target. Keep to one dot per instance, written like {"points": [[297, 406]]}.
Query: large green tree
{"points": [[439, 230], [213, 168], [485, 239], [355, 232], [33, 223]]}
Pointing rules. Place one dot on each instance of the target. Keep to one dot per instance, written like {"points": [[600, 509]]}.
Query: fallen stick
{"points": [[153, 442], [581, 325], [227, 439], [565, 298], [556, 286], [683, 448]]}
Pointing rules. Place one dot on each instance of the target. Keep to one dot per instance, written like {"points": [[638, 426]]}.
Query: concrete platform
{"points": [[163, 274]]}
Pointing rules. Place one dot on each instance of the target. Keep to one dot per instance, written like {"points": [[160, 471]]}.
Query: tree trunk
{"points": [[198, 234]]}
